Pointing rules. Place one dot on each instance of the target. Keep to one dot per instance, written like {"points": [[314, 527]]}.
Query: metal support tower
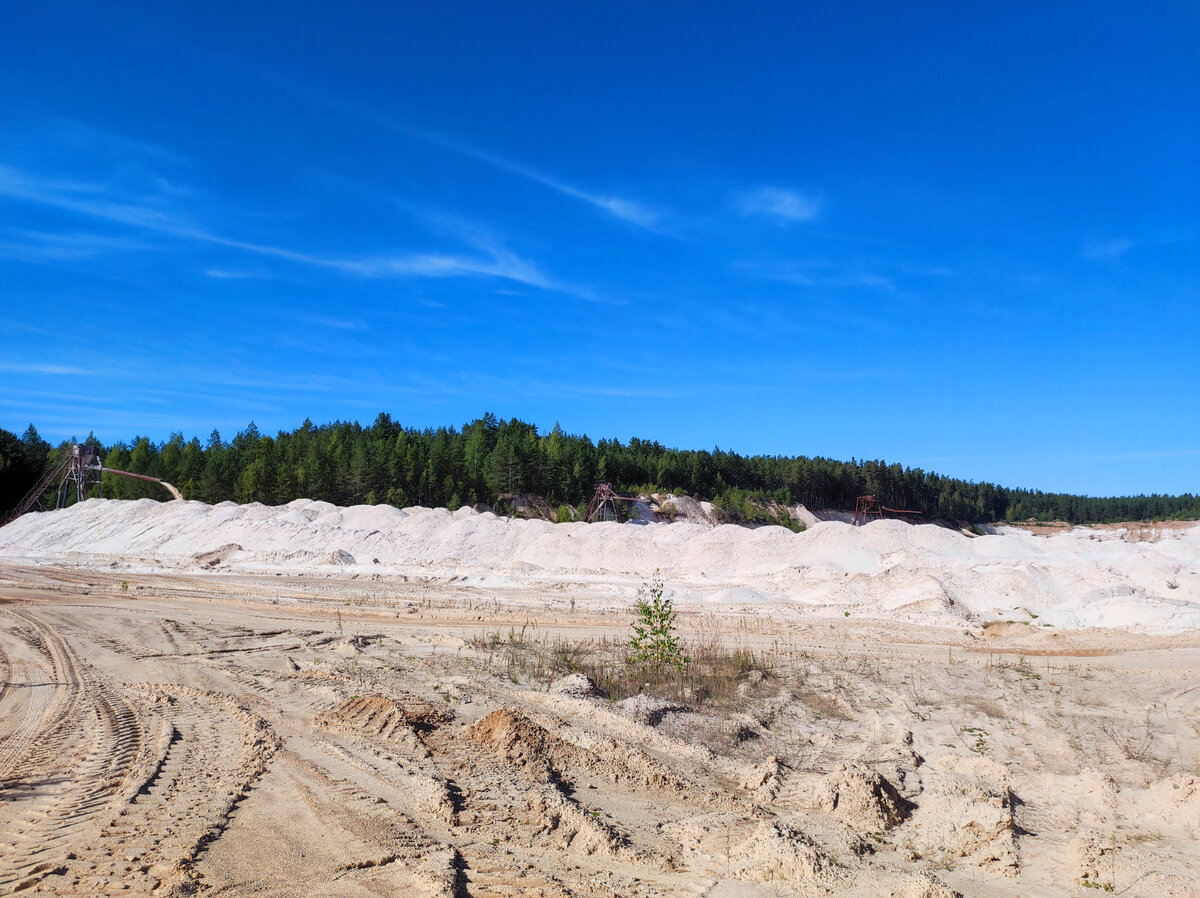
{"points": [[604, 503], [868, 508], [83, 470]]}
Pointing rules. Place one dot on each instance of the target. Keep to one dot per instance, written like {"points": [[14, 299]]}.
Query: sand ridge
{"points": [[885, 570]]}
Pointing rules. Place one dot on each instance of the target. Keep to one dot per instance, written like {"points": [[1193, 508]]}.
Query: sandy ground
{"points": [[292, 734]]}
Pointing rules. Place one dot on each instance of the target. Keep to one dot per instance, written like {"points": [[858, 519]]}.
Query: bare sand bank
{"points": [[886, 570]]}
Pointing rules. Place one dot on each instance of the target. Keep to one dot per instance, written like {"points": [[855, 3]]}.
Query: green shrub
{"points": [[654, 642]]}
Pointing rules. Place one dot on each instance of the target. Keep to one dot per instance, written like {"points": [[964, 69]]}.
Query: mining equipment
{"points": [[869, 508], [604, 503], [81, 468]]}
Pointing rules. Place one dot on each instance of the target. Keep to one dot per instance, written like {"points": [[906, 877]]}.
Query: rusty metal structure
{"points": [[869, 508], [79, 469], [83, 469], [604, 503]]}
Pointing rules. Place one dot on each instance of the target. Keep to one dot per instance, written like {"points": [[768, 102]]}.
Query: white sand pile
{"points": [[887, 569]]}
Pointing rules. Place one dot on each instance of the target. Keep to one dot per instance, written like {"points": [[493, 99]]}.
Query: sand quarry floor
{"points": [[200, 730]]}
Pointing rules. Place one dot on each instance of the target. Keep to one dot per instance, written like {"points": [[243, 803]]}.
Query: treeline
{"points": [[490, 462], [23, 460]]}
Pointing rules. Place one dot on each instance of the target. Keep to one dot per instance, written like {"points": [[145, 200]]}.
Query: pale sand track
{"points": [[232, 734]]}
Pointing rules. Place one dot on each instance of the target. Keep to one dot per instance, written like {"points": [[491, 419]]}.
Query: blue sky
{"points": [[961, 238]]}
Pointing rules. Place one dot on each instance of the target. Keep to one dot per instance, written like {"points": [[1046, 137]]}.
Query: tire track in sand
{"points": [[67, 763]]}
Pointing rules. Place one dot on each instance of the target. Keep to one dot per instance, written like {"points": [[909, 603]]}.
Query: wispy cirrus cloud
{"points": [[120, 153], [44, 246], [781, 204], [490, 259], [1107, 250], [843, 280], [630, 211], [93, 199], [819, 275], [231, 274], [1116, 248], [36, 368], [343, 324]]}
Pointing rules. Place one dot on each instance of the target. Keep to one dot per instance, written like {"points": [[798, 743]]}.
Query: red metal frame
{"points": [[867, 508], [604, 501]]}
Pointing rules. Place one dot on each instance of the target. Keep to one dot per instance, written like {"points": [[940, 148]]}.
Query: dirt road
{"points": [[298, 736]]}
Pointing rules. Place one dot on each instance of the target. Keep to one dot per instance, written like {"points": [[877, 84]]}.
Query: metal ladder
{"points": [[36, 493]]}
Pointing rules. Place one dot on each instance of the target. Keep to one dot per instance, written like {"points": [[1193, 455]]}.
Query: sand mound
{"points": [[575, 685], [862, 798], [545, 756], [509, 733], [927, 886], [217, 556], [888, 569], [966, 812], [764, 780], [571, 826], [382, 716], [648, 709], [777, 852]]}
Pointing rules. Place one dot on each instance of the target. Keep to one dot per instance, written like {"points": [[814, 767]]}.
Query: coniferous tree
{"points": [[487, 459]]}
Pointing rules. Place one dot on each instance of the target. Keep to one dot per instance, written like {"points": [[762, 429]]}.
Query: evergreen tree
{"points": [[486, 459]]}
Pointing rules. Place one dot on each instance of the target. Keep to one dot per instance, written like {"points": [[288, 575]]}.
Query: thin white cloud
{"points": [[493, 258], [91, 199], [225, 274], [780, 204], [1108, 250], [622, 208], [41, 246], [61, 370], [627, 210], [846, 280], [820, 275], [1118, 247], [345, 324], [120, 150]]}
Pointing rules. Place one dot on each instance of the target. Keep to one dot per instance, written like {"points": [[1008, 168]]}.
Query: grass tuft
{"points": [[712, 673]]}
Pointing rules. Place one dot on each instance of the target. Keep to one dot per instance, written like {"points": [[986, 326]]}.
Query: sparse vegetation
{"points": [[654, 642], [712, 673], [1134, 745], [977, 737]]}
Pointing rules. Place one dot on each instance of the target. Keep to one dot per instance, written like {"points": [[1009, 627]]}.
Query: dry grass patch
{"points": [[710, 672]]}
